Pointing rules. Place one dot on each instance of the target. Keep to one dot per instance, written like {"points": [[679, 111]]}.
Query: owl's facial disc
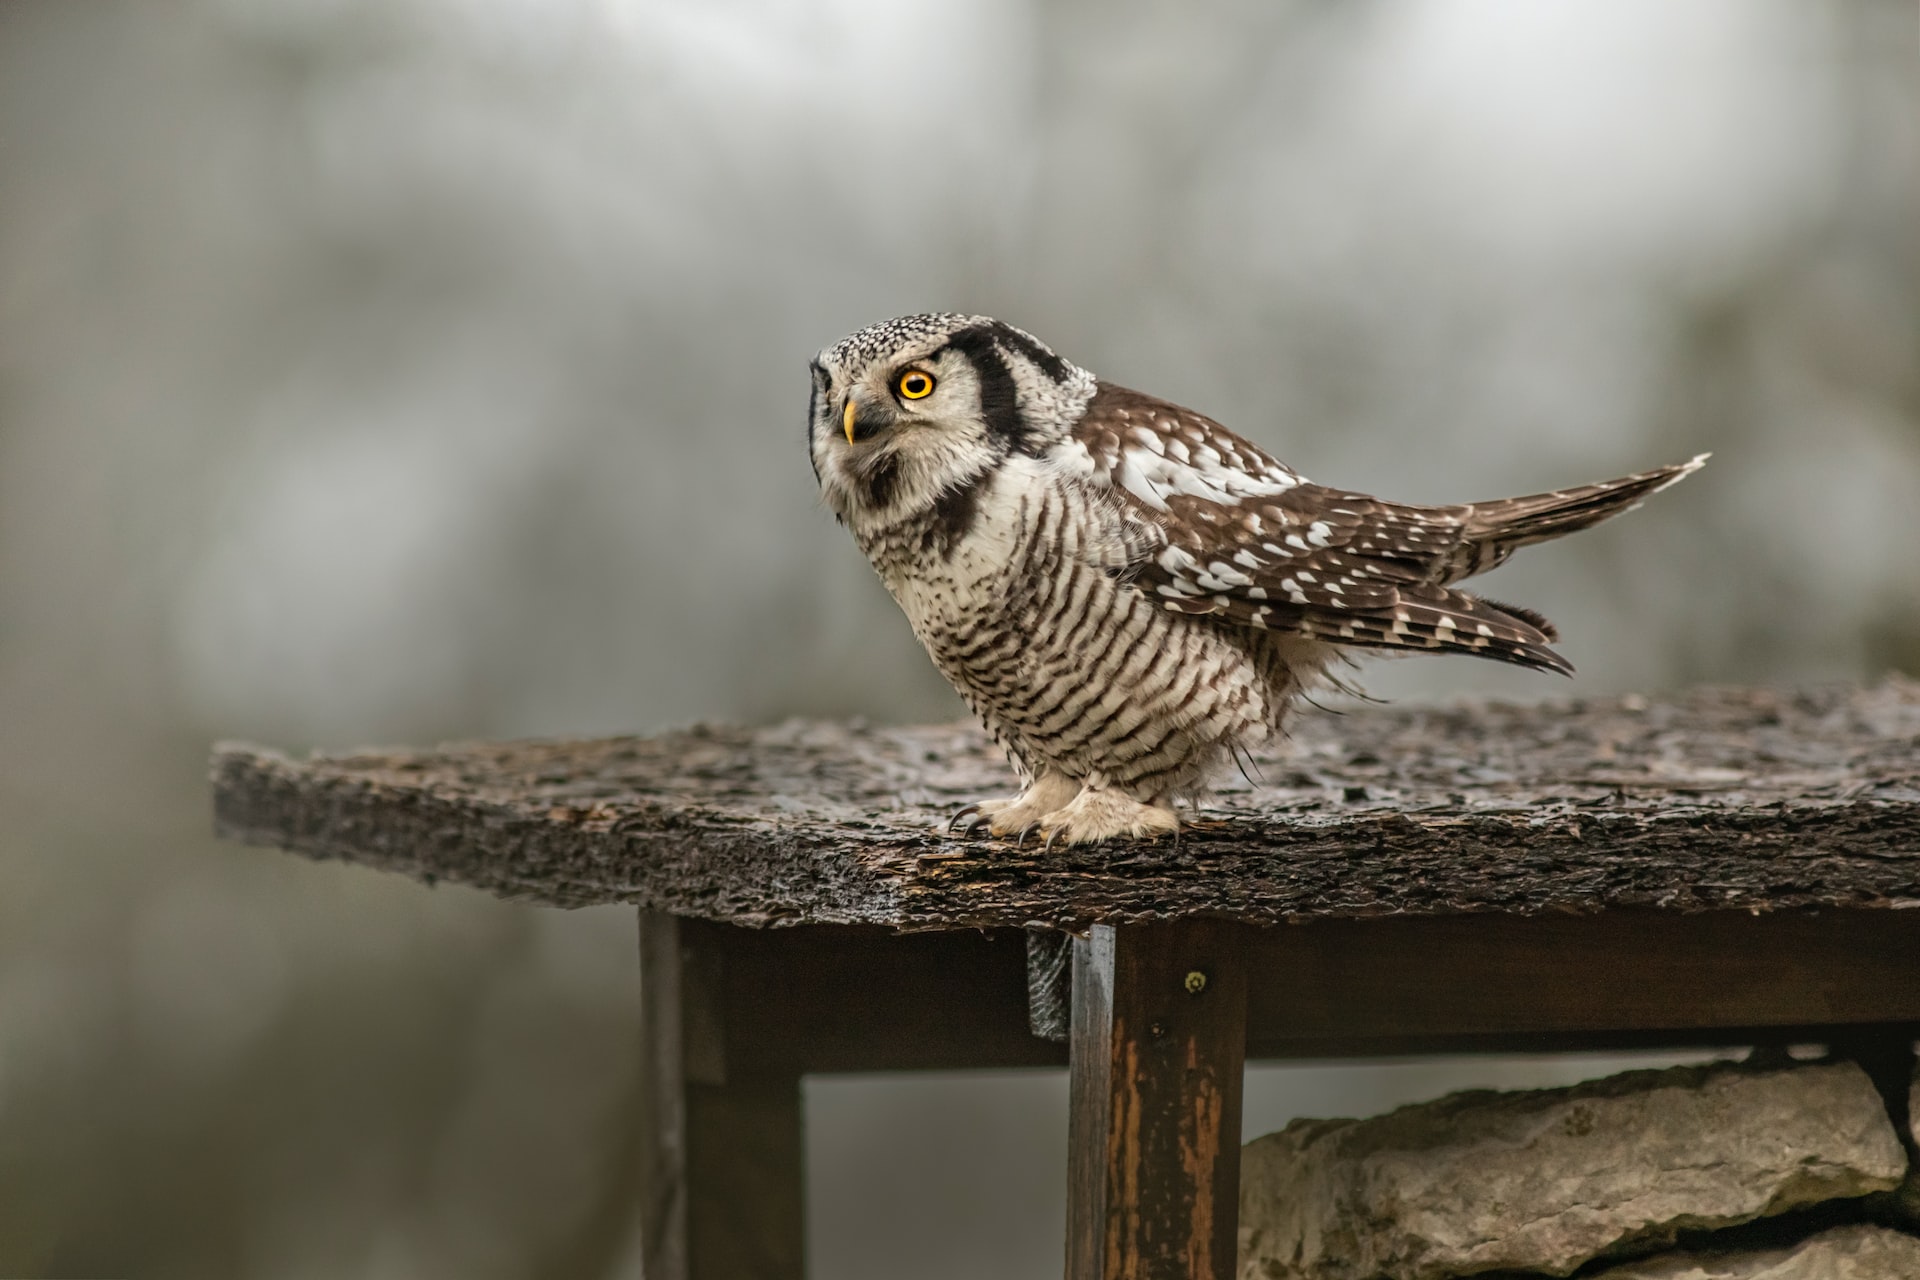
{"points": [[910, 411], [866, 416], [884, 400]]}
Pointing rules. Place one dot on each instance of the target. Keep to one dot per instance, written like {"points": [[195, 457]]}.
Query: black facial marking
{"points": [[882, 478], [999, 399], [953, 515], [813, 413], [1014, 340]]}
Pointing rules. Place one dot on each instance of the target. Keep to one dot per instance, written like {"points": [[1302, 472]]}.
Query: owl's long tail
{"points": [[1434, 616], [1495, 530]]}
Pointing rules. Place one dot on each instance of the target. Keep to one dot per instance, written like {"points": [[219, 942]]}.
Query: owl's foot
{"points": [[1103, 814], [1019, 814]]}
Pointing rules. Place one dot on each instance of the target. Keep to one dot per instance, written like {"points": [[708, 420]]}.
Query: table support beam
{"points": [[746, 1164], [724, 1165], [1158, 1049]]}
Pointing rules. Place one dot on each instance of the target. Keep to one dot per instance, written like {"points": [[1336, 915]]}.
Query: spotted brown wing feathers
{"points": [[1343, 568], [1421, 618], [1250, 542]]}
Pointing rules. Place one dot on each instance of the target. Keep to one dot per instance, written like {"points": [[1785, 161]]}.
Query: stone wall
{"points": [[1765, 1170]]}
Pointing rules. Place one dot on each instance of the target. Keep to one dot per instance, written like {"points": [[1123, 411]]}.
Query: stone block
{"points": [[1844, 1253], [1547, 1180]]}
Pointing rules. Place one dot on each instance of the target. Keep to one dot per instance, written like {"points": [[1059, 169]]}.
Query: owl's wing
{"points": [[1249, 541]]}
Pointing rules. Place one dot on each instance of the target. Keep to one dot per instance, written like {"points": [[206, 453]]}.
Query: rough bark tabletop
{"points": [[1713, 799]]}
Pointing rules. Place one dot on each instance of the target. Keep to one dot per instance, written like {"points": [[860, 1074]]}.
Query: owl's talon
{"points": [[1098, 815], [1051, 837], [1008, 818], [1029, 829], [971, 815]]}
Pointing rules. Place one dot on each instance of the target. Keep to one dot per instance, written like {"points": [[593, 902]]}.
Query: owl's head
{"points": [[908, 410]]}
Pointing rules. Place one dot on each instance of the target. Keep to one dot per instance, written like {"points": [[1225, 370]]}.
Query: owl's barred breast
{"points": [[1030, 617]]}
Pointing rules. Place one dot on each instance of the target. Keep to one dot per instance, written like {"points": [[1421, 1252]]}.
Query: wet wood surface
{"points": [[1712, 800]]}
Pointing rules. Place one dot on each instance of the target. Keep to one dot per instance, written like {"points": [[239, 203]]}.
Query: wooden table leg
{"points": [[723, 1195], [1158, 1049], [663, 1111]]}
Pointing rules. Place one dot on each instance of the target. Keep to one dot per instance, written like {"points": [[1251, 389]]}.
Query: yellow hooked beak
{"points": [[847, 419]]}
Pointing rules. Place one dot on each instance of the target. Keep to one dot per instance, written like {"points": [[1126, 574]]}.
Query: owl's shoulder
{"points": [[1155, 450]]}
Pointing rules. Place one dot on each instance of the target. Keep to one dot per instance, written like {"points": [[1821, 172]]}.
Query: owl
{"points": [[1126, 593]]}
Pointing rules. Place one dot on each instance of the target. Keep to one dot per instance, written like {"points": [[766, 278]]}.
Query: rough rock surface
{"points": [[1547, 1180], [1902, 1207], [1844, 1253]]}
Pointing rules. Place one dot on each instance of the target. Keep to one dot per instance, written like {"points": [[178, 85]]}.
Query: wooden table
{"points": [[1728, 866]]}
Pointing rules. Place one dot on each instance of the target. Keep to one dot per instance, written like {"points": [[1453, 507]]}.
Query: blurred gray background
{"points": [[394, 370]]}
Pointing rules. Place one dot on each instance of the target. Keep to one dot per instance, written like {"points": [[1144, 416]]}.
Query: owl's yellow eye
{"points": [[915, 385]]}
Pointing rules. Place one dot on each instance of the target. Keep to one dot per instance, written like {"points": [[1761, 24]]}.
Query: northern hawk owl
{"points": [[1123, 590]]}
